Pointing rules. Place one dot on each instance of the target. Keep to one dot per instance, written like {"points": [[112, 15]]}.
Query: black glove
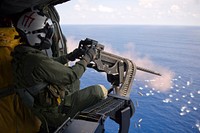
{"points": [[90, 55], [76, 54]]}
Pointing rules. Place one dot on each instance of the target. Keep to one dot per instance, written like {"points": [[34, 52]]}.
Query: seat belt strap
{"points": [[34, 90], [6, 91], [27, 95]]}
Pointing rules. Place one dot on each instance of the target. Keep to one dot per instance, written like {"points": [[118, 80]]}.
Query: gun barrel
{"points": [[147, 70]]}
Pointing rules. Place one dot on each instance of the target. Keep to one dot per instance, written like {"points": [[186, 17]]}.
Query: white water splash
{"points": [[177, 99], [197, 125], [188, 83], [191, 95], [176, 85], [140, 88], [195, 108], [182, 113], [167, 100], [183, 108], [147, 94], [184, 96]]}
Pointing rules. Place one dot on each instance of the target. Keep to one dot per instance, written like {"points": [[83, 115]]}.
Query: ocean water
{"points": [[176, 48]]}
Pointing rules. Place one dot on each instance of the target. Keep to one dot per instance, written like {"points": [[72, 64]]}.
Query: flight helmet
{"points": [[37, 29]]}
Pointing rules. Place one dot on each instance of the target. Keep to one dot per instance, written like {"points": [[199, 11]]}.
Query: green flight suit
{"points": [[32, 67]]}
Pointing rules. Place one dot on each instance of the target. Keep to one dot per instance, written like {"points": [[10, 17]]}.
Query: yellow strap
{"points": [[58, 100], [8, 37]]}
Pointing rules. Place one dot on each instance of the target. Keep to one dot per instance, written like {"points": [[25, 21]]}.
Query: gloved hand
{"points": [[76, 54], [90, 55]]}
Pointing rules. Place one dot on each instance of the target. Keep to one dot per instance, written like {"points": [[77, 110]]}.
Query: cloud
{"points": [[175, 8], [174, 5], [146, 3], [170, 11], [83, 5], [77, 7], [167, 12], [102, 8], [128, 8]]}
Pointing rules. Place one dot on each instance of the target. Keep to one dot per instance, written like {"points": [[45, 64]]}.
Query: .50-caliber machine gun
{"points": [[118, 105]]}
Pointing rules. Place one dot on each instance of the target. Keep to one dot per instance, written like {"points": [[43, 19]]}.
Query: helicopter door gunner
{"points": [[45, 84]]}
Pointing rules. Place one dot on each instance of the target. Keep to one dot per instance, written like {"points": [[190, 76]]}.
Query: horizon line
{"points": [[135, 25]]}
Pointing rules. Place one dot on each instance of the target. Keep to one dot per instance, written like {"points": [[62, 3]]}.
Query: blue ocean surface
{"points": [[174, 47]]}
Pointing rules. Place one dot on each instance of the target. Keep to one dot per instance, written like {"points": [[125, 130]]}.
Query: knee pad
{"points": [[104, 90]]}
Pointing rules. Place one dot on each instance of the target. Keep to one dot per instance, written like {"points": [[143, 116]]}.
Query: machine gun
{"points": [[118, 105], [120, 71]]}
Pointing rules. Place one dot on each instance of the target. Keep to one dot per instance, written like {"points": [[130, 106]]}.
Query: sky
{"points": [[130, 12]]}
